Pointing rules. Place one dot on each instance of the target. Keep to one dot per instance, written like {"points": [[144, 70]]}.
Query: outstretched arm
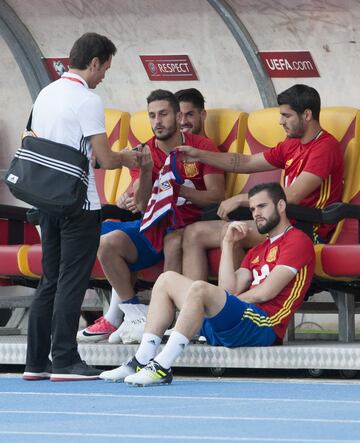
{"points": [[227, 161], [109, 159]]}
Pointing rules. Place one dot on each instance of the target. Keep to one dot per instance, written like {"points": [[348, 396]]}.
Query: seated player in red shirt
{"points": [[123, 248], [251, 306], [313, 176], [193, 115]]}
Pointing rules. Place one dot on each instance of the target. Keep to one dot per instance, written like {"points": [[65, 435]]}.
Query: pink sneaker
{"points": [[98, 331]]}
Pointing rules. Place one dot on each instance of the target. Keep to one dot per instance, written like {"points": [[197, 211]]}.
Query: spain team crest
{"points": [[255, 260], [272, 254], [190, 169]]}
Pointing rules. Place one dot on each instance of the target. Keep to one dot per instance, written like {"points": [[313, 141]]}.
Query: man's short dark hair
{"points": [[274, 190], [87, 47], [191, 95], [162, 94], [301, 97]]}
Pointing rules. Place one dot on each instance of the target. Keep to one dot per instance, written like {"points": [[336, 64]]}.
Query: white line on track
{"points": [[246, 380], [181, 437], [181, 397], [184, 417]]}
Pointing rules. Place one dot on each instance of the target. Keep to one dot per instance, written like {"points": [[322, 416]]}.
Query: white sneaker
{"points": [[133, 325], [152, 374], [115, 337], [118, 374]]}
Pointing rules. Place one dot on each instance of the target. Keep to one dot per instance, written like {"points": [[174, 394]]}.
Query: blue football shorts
{"points": [[238, 324], [147, 255]]}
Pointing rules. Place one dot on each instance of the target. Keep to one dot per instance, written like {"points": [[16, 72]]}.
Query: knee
{"points": [[166, 277], [193, 234], [163, 281], [110, 244], [198, 290]]}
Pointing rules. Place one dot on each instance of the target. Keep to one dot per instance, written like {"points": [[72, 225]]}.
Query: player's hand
{"points": [[127, 201], [236, 231], [228, 205], [189, 154], [145, 161], [130, 158]]}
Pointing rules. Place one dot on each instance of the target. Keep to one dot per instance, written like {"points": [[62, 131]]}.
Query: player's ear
{"points": [[281, 205]]}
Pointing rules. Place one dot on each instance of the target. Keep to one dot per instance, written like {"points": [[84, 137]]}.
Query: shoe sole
{"points": [[72, 377], [114, 341], [31, 376], [112, 380], [92, 338], [145, 385]]}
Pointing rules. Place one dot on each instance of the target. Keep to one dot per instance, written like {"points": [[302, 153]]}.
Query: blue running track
{"points": [[189, 410]]}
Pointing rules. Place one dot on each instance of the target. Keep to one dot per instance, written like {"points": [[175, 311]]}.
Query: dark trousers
{"points": [[69, 250]]}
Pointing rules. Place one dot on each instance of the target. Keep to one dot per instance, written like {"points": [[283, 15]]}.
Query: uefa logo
{"points": [[59, 67], [152, 68]]}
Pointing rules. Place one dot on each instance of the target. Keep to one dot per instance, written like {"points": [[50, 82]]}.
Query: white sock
{"points": [[173, 348], [114, 315], [148, 348]]}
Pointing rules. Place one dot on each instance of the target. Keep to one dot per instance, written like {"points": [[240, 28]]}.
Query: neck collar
{"points": [[272, 239]]}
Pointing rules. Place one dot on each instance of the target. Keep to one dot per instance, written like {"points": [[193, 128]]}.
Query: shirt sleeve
{"points": [[296, 252], [321, 158], [91, 116], [275, 156]]}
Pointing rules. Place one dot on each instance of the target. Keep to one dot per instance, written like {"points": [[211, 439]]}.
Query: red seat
{"points": [[9, 260], [34, 263], [15, 236], [341, 260]]}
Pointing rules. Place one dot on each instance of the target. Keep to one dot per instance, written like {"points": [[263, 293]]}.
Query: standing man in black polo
{"points": [[68, 112]]}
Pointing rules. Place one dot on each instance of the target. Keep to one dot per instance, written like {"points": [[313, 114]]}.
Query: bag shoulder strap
{"points": [[28, 125]]}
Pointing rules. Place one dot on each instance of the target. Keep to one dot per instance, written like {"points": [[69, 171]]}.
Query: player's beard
{"points": [[270, 224], [166, 135], [297, 132]]}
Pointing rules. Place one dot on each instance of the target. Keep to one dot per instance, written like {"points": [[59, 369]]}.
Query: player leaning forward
{"points": [[251, 306]]}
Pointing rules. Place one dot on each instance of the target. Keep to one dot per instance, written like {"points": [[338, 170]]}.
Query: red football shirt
{"points": [[193, 173], [321, 157], [294, 249]]}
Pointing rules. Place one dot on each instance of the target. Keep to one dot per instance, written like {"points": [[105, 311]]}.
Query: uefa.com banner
{"points": [[289, 64]]}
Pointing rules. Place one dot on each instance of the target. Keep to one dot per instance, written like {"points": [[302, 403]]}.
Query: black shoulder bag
{"points": [[50, 176]]}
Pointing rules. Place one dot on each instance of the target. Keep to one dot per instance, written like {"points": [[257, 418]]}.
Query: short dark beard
{"points": [[271, 223], [300, 131], [167, 136]]}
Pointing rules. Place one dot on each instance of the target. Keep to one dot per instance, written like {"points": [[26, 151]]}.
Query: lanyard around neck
{"points": [[72, 79]]}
